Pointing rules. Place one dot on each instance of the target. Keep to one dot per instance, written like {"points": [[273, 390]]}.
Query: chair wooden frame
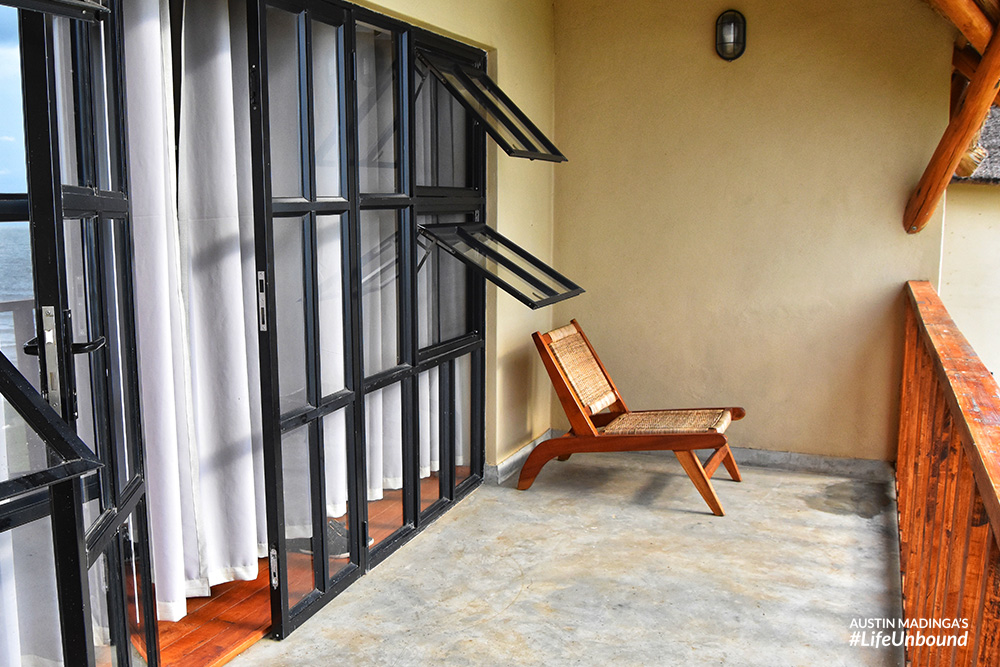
{"points": [[586, 431]]}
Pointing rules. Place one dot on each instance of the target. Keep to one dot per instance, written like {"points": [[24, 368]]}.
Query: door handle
{"points": [[31, 347], [89, 346]]}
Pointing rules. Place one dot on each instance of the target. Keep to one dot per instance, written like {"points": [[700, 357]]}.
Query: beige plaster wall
{"points": [[518, 35], [970, 267], [738, 225]]}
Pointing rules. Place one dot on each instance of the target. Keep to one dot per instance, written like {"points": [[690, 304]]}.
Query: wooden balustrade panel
{"points": [[989, 622], [948, 486]]}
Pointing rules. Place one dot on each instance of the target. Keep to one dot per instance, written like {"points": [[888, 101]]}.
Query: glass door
{"points": [[67, 313], [304, 234]]}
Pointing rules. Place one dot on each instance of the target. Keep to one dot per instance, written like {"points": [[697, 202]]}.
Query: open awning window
{"points": [[87, 10], [503, 120], [499, 260]]}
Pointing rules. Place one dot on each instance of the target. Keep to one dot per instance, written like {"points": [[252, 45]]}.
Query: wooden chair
{"points": [[600, 421]]}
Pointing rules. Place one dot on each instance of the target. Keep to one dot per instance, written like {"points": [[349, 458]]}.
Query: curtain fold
{"points": [[201, 424]]}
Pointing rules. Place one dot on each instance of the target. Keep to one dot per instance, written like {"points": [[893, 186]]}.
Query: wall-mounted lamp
{"points": [[730, 35]]}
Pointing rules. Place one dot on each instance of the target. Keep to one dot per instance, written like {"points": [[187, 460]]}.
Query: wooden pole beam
{"points": [[979, 97], [965, 62], [968, 18]]}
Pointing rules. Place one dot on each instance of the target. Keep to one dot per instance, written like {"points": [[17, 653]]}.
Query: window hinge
{"points": [[274, 568], [262, 300]]}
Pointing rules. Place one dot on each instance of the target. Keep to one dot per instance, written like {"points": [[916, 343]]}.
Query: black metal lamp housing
{"points": [[730, 35]]}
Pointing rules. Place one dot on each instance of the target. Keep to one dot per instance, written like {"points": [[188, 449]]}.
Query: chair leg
{"points": [[692, 466], [539, 456], [730, 464]]}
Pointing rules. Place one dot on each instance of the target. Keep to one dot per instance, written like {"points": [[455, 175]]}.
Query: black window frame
{"points": [[451, 236], [463, 84], [84, 10]]}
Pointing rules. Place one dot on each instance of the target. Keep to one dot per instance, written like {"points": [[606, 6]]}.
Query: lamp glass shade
{"points": [[730, 35]]}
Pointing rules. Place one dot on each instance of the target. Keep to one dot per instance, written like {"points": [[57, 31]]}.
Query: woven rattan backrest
{"points": [[585, 375]]}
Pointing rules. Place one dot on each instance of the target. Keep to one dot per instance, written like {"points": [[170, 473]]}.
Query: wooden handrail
{"points": [[948, 484]]}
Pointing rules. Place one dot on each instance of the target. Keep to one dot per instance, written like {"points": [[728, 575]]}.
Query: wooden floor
{"points": [[218, 628], [238, 614]]}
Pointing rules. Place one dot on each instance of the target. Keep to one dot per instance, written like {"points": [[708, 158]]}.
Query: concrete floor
{"points": [[614, 559]]}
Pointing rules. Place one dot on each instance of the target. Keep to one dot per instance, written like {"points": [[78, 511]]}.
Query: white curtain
{"points": [[429, 418], [379, 307], [197, 344], [428, 387], [29, 636]]}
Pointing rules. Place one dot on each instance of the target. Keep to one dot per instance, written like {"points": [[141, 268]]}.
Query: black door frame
{"points": [[120, 486], [406, 202]]}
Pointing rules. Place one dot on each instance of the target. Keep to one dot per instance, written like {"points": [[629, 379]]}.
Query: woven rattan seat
{"points": [[600, 421], [663, 422]]}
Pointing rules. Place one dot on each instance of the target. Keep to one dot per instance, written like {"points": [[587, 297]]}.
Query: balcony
{"points": [[614, 559], [611, 559]]}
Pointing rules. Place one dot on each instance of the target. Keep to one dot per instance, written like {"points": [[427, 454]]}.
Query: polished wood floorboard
{"points": [[238, 614], [218, 628]]}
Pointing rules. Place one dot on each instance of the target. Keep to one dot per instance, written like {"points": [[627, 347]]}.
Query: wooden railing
{"points": [[947, 483]]}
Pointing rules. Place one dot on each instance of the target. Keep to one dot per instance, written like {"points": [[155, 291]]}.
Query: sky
{"points": [[12, 169]]}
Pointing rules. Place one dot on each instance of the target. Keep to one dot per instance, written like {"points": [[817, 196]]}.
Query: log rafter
{"points": [[965, 62], [966, 15], [982, 90]]}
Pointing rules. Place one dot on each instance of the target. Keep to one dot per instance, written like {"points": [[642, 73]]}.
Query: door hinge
{"points": [[262, 300], [254, 87], [274, 568]]}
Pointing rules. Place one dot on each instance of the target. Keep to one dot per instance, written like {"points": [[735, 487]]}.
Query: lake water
{"points": [[15, 275]]}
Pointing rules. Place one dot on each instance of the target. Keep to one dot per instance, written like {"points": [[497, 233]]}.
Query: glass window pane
{"points": [[504, 263], [442, 290], [21, 450], [29, 604], [458, 86], [91, 499], [441, 131], [76, 236], [384, 461], [126, 442], [66, 102], [429, 420], [335, 459], [104, 648], [379, 289], [376, 57], [13, 174], [463, 418], [283, 97], [483, 98], [289, 297], [105, 117], [508, 112], [17, 298], [551, 285], [135, 585], [326, 107], [296, 476], [330, 289]]}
